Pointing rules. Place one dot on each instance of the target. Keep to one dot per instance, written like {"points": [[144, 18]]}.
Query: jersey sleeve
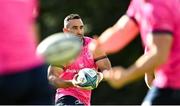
{"points": [[162, 19], [131, 9]]}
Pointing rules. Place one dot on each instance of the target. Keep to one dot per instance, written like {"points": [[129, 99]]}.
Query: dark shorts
{"points": [[30, 87], [68, 100], [167, 96]]}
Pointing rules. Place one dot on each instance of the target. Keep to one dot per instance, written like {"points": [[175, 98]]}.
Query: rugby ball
{"points": [[60, 48], [88, 78]]}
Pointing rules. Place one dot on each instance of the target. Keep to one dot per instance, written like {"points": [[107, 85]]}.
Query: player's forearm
{"points": [[104, 64], [118, 36], [146, 63], [111, 41], [58, 83], [159, 47]]}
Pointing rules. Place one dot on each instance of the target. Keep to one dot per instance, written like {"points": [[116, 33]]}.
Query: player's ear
{"points": [[65, 30]]}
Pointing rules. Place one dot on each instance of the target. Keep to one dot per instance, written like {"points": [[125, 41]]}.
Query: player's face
{"points": [[76, 26]]}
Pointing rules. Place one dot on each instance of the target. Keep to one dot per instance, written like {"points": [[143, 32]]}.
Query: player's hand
{"points": [[77, 83], [100, 76], [115, 77]]}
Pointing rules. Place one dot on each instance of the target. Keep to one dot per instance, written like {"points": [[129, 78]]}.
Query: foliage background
{"points": [[97, 16]]}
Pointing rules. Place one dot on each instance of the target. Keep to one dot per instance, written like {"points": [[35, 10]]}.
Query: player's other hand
{"points": [[115, 77], [100, 76], [77, 83]]}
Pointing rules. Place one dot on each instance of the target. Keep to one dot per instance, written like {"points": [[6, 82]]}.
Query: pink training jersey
{"points": [[18, 40], [160, 16], [85, 60]]}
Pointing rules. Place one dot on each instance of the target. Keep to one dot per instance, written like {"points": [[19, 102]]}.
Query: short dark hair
{"points": [[71, 17]]}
